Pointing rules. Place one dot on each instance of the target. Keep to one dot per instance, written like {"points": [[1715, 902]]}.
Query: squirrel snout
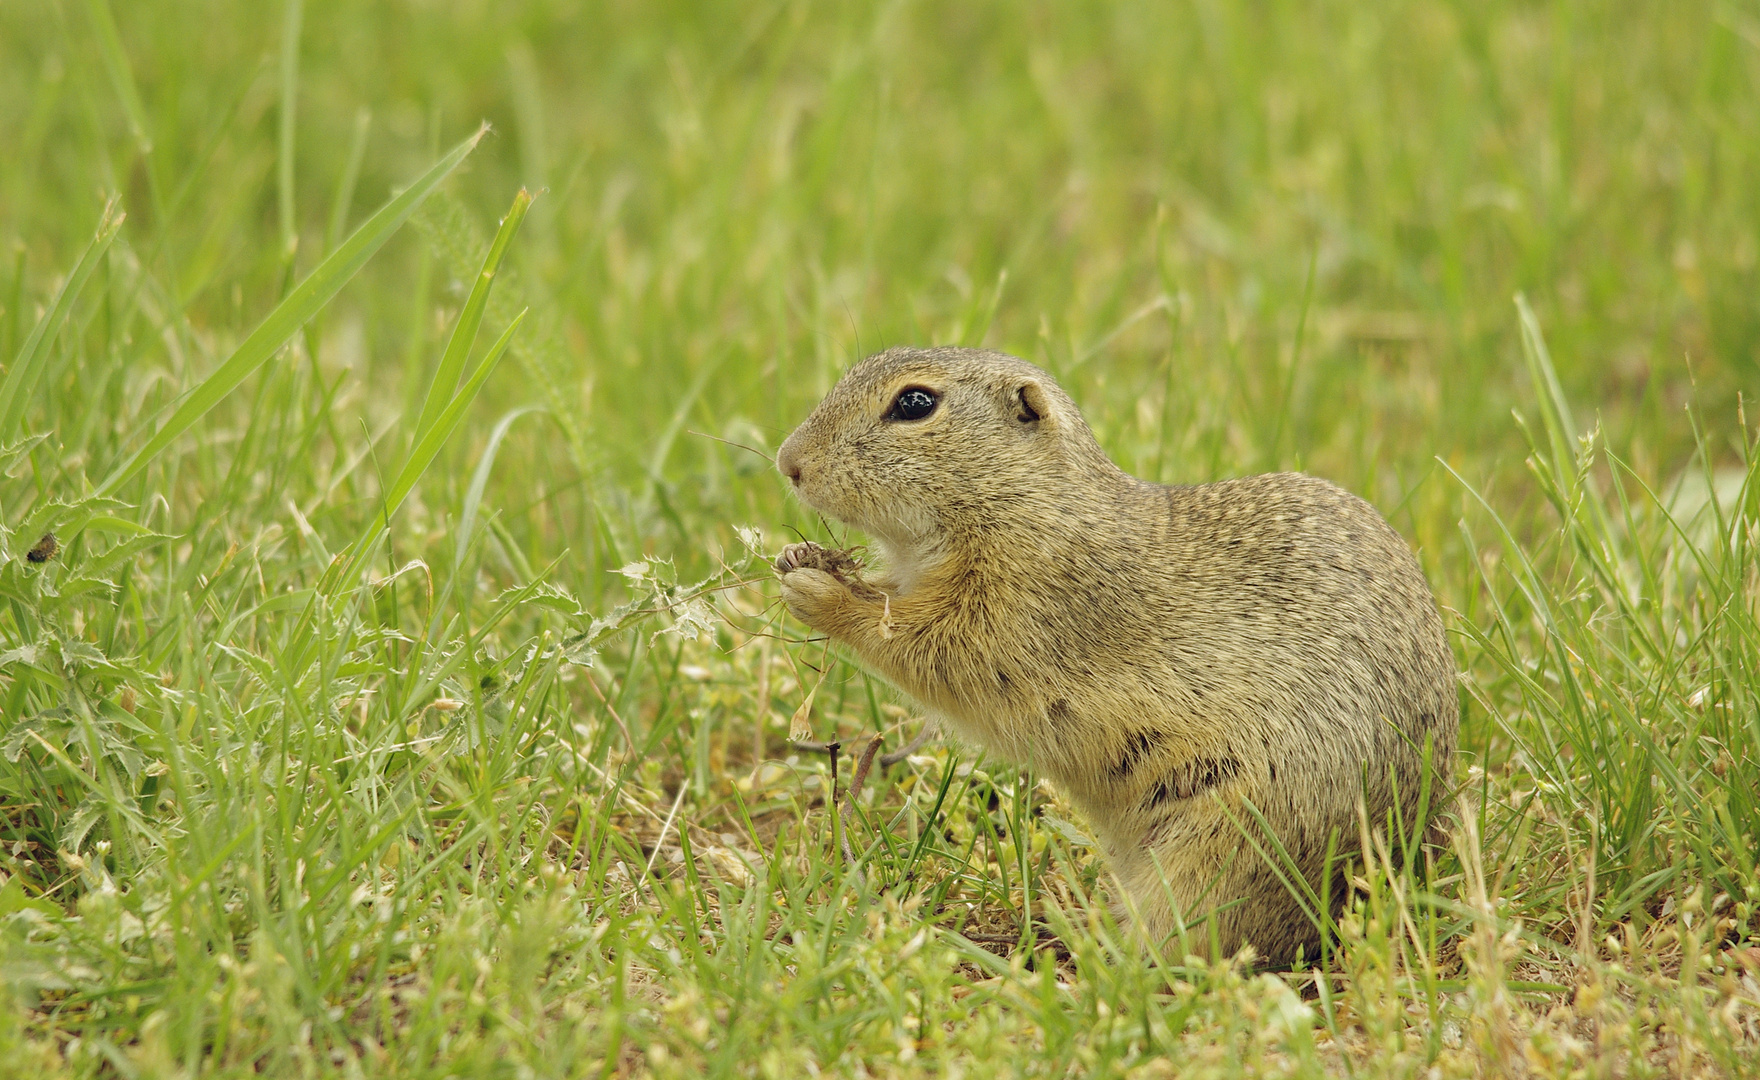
{"points": [[788, 463]]}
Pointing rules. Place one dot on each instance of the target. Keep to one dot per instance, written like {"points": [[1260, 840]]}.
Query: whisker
{"points": [[730, 442]]}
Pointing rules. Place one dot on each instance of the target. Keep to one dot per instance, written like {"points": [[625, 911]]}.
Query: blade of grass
{"points": [[121, 74], [443, 409], [1561, 426], [427, 447], [467, 520], [351, 174], [301, 304], [27, 367], [290, 32], [470, 318]]}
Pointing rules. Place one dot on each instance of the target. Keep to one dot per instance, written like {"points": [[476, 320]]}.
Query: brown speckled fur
{"points": [[1162, 653]]}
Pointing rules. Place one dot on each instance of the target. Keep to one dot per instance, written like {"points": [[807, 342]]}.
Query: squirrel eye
{"points": [[912, 404]]}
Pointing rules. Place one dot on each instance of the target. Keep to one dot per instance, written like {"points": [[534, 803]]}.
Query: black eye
{"points": [[912, 404]]}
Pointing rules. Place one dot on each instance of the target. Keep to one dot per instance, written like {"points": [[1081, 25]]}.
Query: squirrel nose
{"points": [[789, 465]]}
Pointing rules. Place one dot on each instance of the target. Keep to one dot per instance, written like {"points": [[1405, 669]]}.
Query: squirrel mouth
{"points": [[898, 524], [839, 514], [844, 515]]}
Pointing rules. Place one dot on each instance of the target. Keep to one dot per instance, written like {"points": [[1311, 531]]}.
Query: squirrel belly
{"points": [[1166, 655]]}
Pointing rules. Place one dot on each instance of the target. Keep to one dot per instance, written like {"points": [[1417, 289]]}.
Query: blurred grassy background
{"points": [[764, 193], [1246, 236]]}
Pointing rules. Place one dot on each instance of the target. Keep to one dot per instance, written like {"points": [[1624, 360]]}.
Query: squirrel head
{"points": [[913, 446]]}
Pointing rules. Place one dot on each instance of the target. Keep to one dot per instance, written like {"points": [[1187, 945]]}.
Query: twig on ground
{"points": [[664, 829], [887, 761], [628, 739], [863, 764]]}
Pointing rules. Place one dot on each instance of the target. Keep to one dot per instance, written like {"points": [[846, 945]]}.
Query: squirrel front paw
{"points": [[812, 594], [825, 589]]}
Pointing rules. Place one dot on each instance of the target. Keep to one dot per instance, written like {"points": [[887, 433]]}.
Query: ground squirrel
{"points": [[1161, 653]]}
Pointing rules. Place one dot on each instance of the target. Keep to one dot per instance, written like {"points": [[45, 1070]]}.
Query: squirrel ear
{"points": [[1032, 403]]}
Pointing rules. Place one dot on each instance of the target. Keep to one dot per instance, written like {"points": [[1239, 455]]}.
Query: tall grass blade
{"points": [[464, 332], [290, 32], [1555, 411], [121, 74], [27, 367], [301, 304], [473, 498], [428, 444], [1571, 453], [351, 174]]}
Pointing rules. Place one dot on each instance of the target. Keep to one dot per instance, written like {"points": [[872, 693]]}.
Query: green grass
{"points": [[408, 698]]}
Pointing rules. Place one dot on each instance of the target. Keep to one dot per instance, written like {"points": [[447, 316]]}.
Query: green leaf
{"points": [[81, 584], [10, 455], [76, 653], [301, 304], [30, 655], [110, 523], [14, 899], [89, 813], [68, 517], [100, 565], [557, 599]]}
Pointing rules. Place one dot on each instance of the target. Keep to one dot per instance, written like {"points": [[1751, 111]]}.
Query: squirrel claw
{"points": [[800, 556]]}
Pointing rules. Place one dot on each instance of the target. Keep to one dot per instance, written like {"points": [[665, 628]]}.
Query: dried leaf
{"points": [[800, 728]]}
